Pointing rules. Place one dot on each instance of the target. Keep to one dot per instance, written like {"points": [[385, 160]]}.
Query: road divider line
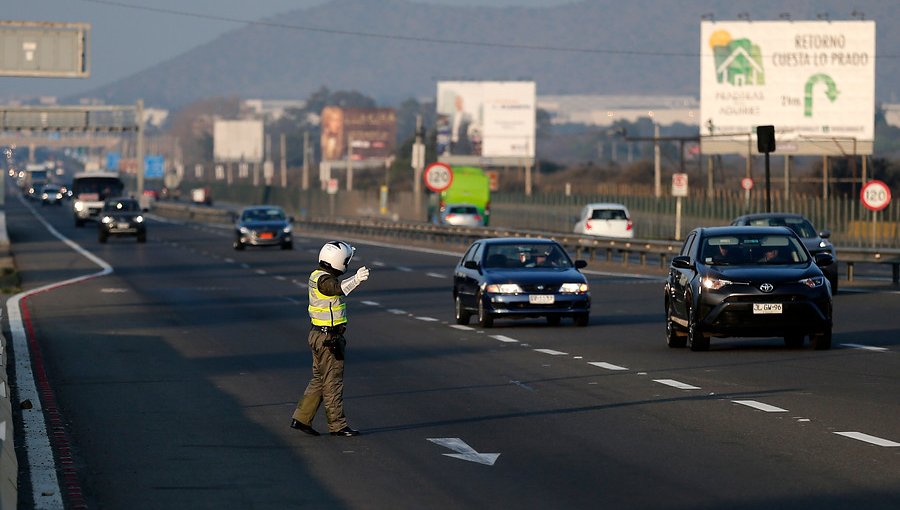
{"points": [[676, 384], [551, 352], [370, 303], [404, 269], [866, 347], [608, 366], [760, 406], [461, 327], [436, 275], [427, 319], [505, 339], [395, 311], [877, 441]]}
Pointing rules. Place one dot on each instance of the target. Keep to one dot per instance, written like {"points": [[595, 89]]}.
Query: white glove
{"points": [[347, 286]]}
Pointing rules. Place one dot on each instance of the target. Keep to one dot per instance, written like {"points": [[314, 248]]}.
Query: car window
{"points": [[608, 214], [686, 247], [470, 253], [801, 226], [755, 249], [526, 255], [263, 215], [462, 209]]}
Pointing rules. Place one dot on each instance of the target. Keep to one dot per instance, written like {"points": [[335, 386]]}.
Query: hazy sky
{"points": [[126, 40]]}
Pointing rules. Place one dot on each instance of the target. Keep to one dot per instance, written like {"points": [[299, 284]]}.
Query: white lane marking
{"points": [[427, 319], [112, 290], [229, 260], [261, 271], [370, 303], [675, 384], [551, 352], [377, 263], [877, 441], [279, 277], [461, 327], [292, 300], [866, 347], [436, 275], [608, 366], [404, 269], [464, 451], [522, 385], [760, 405], [505, 339], [2, 431], [245, 266], [3, 392], [396, 311]]}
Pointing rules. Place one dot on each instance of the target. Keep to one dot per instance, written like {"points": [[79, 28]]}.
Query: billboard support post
{"points": [[657, 179], [139, 123]]}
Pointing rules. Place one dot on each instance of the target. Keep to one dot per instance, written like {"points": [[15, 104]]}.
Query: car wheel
{"points": [[553, 320], [238, 245], [822, 341], [462, 316], [484, 318], [582, 320], [794, 340], [673, 339], [696, 340]]}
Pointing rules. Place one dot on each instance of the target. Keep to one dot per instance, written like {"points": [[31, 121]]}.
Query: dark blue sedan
{"points": [[518, 278], [263, 225]]}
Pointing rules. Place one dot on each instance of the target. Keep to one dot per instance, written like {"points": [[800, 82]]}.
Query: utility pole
{"points": [[283, 159], [306, 151], [349, 164], [657, 178], [139, 121], [418, 164]]}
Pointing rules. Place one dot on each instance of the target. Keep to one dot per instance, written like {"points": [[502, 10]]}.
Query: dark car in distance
{"points": [[511, 278], [747, 282], [815, 241], [121, 217], [263, 225]]}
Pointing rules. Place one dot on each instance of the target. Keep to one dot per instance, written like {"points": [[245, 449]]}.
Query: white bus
{"points": [[90, 190]]}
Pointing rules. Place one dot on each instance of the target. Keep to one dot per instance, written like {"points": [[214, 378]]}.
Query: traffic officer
{"points": [[328, 314]]}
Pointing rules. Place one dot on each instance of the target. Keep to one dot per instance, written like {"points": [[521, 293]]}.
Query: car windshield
{"points": [[525, 255], [751, 250], [608, 214], [462, 209], [801, 226], [263, 215], [122, 206]]}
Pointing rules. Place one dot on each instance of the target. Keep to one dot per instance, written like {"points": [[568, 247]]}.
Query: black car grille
{"points": [[766, 298], [540, 288]]}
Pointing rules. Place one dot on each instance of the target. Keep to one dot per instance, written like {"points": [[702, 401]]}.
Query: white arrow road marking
{"points": [[464, 451], [869, 439], [675, 384], [608, 366], [866, 347], [551, 352], [504, 339], [370, 303], [761, 406]]}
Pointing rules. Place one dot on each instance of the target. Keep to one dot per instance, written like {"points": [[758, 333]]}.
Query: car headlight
{"points": [[79, 206], [59, 196], [245, 231], [503, 288], [573, 288], [815, 281], [823, 244], [715, 283], [139, 219], [287, 229], [45, 196], [107, 219]]}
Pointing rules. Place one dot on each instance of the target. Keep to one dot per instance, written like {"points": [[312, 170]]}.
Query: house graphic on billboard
{"points": [[738, 61]]}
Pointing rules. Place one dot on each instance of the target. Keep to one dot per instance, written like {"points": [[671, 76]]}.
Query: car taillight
{"points": [[628, 226], [477, 217], [450, 215]]}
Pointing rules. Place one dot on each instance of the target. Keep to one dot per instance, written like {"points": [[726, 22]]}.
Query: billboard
{"points": [[370, 132], [813, 80], [238, 141], [41, 49], [486, 118]]}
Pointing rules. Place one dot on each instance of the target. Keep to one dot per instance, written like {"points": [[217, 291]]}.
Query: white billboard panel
{"points": [[813, 80], [490, 119], [238, 140]]}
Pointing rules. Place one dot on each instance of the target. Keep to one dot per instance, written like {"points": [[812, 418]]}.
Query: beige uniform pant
{"points": [[327, 384]]}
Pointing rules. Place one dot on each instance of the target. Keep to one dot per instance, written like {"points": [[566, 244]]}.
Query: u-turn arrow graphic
{"points": [[831, 92], [464, 451]]}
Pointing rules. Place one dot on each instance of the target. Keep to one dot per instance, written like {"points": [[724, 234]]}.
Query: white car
{"points": [[465, 215], [605, 220]]}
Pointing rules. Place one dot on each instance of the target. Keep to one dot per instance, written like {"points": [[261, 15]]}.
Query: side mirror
{"points": [[825, 234], [824, 259], [290, 219], [470, 264], [580, 264], [683, 262]]}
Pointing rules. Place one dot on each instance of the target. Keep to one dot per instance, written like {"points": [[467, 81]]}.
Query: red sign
{"points": [[747, 183], [438, 177], [875, 195]]}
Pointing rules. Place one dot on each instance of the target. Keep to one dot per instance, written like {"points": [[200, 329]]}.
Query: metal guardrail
{"points": [[628, 251]]}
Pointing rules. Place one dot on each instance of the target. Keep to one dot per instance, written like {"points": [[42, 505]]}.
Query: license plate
{"points": [[767, 307], [123, 225], [541, 299], [266, 235]]}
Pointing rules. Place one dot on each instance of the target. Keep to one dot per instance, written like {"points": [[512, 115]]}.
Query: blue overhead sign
{"points": [[154, 167], [112, 160]]}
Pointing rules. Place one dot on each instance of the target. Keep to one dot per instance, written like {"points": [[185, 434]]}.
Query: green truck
{"points": [[470, 185]]}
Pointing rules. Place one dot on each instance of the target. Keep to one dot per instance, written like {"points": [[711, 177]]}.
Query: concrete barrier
{"points": [[9, 466]]}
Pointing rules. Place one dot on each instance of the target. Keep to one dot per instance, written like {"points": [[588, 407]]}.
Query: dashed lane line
{"points": [[371, 303], [865, 347], [760, 406], [551, 352], [427, 319], [608, 366], [866, 438], [676, 384], [506, 339]]}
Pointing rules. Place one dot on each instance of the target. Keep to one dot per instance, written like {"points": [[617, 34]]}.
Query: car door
{"points": [[679, 279], [467, 280]]}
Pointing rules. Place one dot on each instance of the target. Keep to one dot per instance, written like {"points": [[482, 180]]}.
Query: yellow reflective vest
{"points": [[324, 310]]}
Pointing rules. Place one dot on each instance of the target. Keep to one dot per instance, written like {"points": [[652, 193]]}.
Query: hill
{"points": [[387, 50]]}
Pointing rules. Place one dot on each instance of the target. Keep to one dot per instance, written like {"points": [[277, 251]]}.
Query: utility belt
{"points": [[331, 330]]}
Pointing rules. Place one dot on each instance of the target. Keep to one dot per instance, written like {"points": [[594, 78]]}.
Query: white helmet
{"points": [[336, 255]]}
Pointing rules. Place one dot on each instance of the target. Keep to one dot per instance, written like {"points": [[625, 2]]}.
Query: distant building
{"points": [[595, 110], [270, 109]]}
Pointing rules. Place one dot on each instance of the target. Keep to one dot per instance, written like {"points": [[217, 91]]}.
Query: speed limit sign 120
{"points": [[875, 195], [438, 177]]}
